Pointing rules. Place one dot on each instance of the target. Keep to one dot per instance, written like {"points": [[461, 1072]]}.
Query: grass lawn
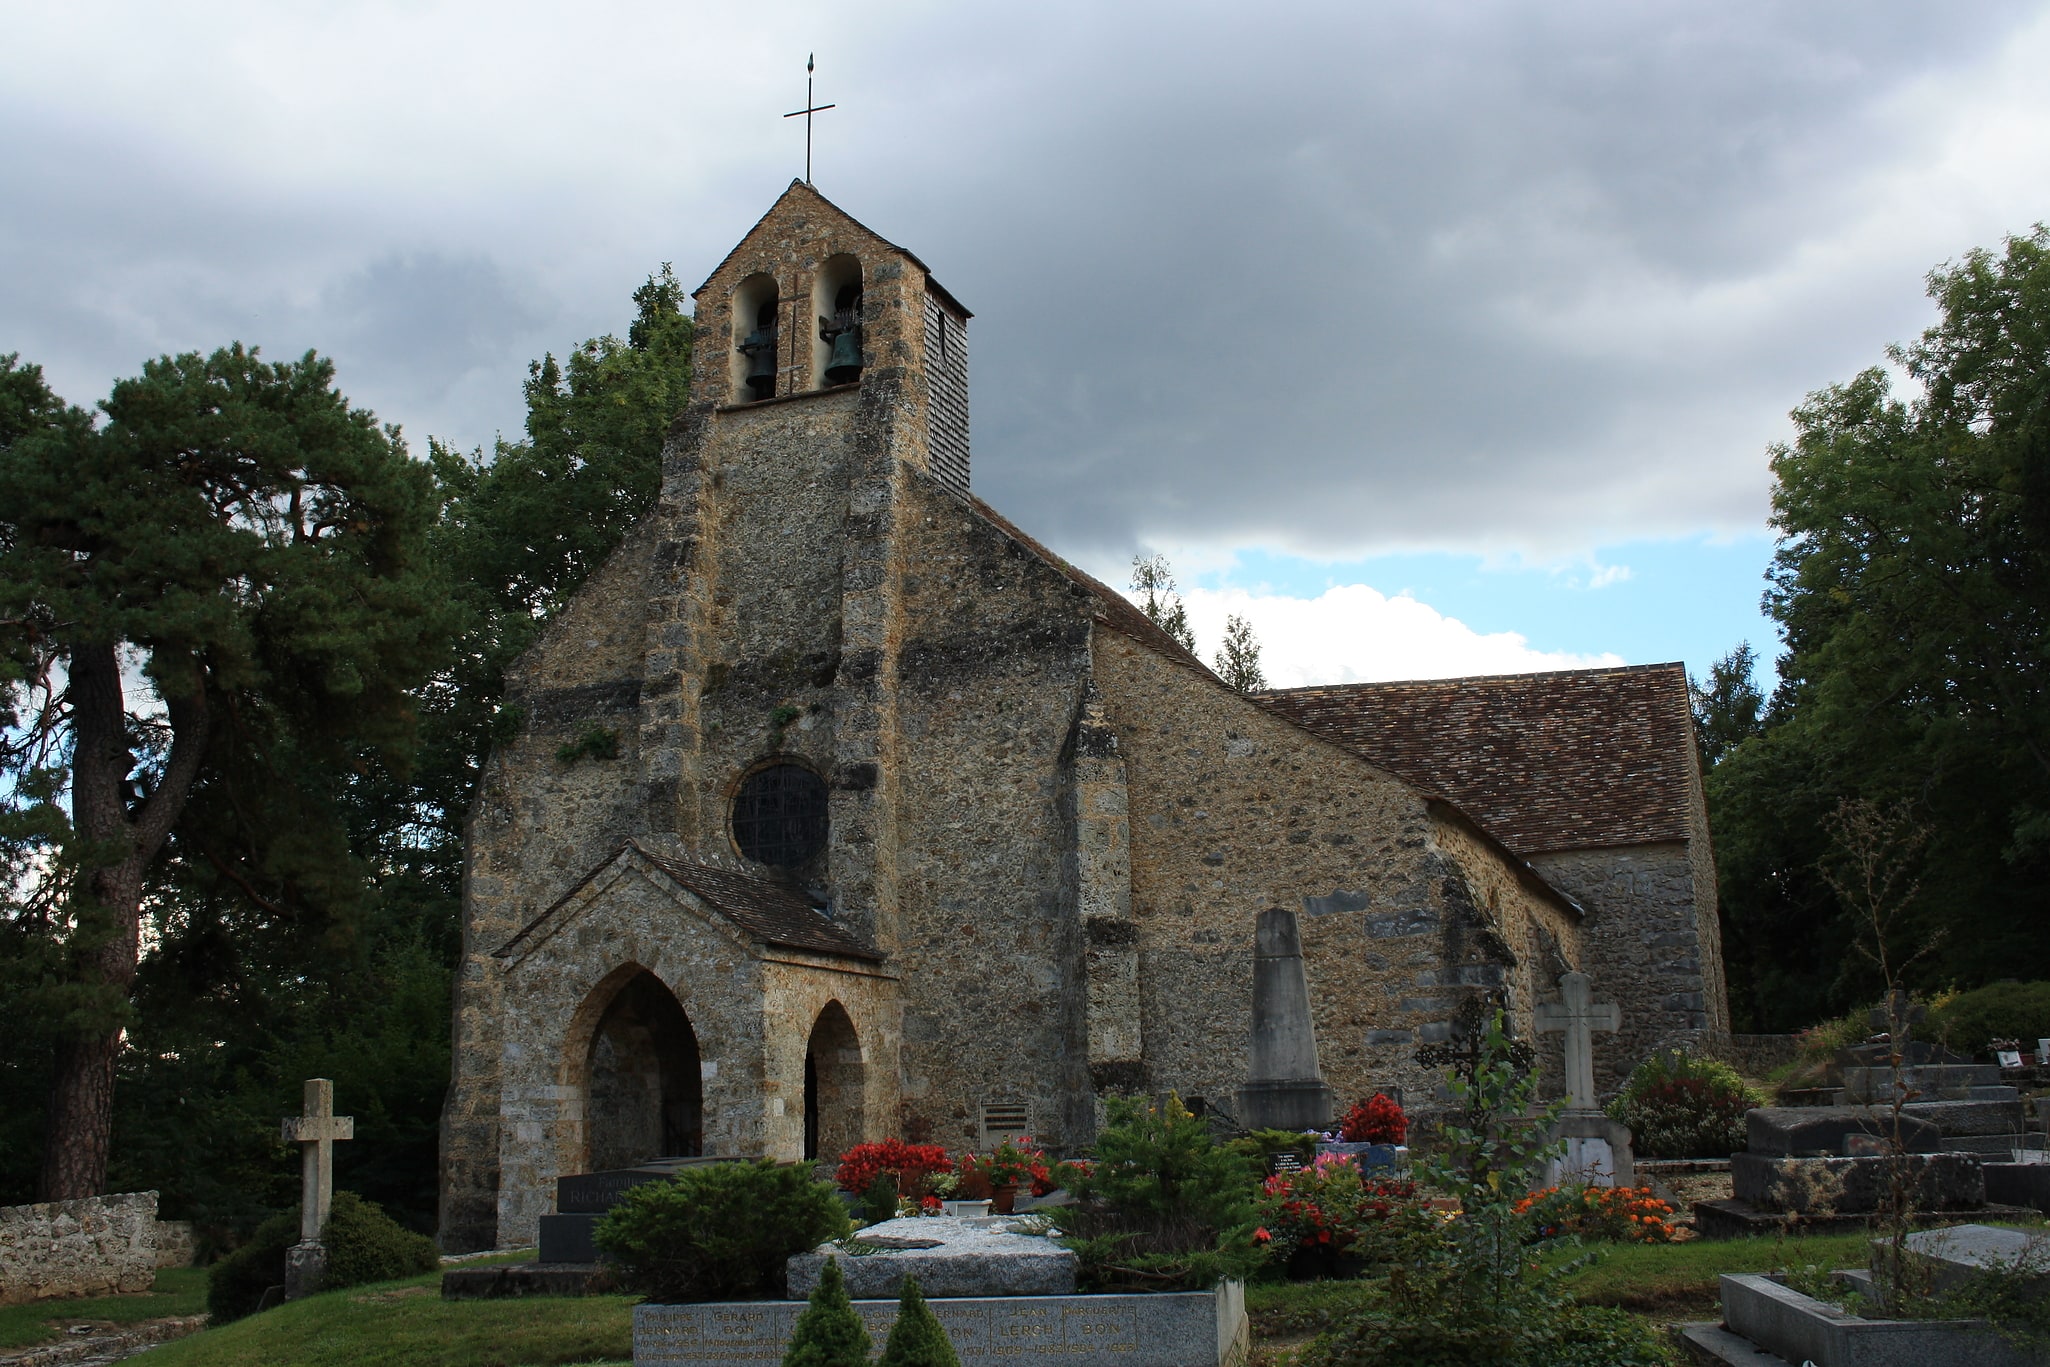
{"points": [[1668, 1282], [392, 1323], [1662, 1282], [179, 1291]]}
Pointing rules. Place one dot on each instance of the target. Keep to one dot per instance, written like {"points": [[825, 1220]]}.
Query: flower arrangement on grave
{"points": [[912, 1164], [1377, 1120], [1013, 1163], [1465, 1288], [1331, 1209], [1623, 1215]]}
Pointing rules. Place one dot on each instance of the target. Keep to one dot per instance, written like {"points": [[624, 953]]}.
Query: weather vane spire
{"points": [[808, 110]]}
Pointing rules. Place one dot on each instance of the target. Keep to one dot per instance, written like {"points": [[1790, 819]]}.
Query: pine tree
{"points": [[829, 1333], [1238, 659], [1152, 577], [917, 1339], [212, 605]]}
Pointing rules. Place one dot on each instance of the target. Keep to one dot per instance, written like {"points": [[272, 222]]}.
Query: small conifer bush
{"points": [[829, 1333], [917, 1339]]}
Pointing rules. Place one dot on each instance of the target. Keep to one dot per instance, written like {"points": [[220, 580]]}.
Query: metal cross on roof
{"points": [[808, 110]]}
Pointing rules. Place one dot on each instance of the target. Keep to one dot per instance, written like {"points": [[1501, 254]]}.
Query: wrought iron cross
{"points": [[808, 110], [1466, 1051]]}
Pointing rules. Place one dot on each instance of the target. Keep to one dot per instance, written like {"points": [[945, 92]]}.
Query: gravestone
{"points": [[1173, 1329], [581, 1200], [1285, 1087], [315, 1132], [950, 1258], [1822, 1131], [1598, 1149], [1956, 1255]]}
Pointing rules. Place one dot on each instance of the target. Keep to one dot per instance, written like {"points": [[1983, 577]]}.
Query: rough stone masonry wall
{"points": [[1643, 948], [1232, 811], [537, 825], [555, 993], [93, 1247], [988, 679]]}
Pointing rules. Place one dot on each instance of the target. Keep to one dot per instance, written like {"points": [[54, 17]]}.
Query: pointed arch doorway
{"points": [[835, 1101], [644, 1098]]}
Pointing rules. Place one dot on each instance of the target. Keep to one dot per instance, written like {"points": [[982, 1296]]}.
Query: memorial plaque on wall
{"points": [[1186, 1329]]}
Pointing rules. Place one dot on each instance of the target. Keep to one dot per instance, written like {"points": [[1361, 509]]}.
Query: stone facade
{"points": [[97, 1246], [1592, 776], [1042, 831]]}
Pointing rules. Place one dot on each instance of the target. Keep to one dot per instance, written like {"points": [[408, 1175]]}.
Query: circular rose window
{"points": [[779, 815]]}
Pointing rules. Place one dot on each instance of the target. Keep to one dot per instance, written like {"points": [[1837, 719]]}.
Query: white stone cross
{"points": [[1579, 1018], [315, 1133]]}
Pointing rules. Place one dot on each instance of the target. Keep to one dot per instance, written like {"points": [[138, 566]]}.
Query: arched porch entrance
{"points": [[643, 1098], [834, 1097]]}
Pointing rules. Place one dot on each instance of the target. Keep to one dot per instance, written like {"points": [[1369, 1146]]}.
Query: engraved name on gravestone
{"points": [[1198, 1329]]}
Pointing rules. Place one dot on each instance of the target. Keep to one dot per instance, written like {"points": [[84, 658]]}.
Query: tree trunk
{"points": [[81, 1117], [106, 905]]}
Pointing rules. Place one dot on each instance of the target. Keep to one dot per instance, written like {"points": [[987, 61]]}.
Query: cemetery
{"points": [[1852, 1232], [756, 904]]}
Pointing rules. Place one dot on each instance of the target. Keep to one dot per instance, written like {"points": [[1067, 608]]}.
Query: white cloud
{"points": [[1352, 633]]}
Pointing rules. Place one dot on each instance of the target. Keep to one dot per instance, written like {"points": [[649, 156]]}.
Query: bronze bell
{"points": [[760, 349], [844, 366]]}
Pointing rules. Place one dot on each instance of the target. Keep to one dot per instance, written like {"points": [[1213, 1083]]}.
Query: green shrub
{"points": [[235, 1284], [719, 1232], [917, 1339], [879, 1199], [366, 1245], [829, 1333], [1678, 1106], [1970, 1021], [363, 1245]]}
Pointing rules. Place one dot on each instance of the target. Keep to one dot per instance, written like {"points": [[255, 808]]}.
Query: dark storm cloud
{"points": [[1339, 278], [1315, 281], [129, 255]]}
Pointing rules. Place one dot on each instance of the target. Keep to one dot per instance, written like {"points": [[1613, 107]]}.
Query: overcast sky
{"points": [[1434, 338]]}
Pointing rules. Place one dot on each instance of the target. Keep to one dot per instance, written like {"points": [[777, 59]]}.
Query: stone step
{"points": [[1711, 1345]]}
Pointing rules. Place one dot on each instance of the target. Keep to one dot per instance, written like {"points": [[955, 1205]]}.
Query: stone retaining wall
{"points": [[177, 1244], [91, 1247]]}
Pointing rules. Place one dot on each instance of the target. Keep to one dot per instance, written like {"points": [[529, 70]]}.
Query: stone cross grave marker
{"points": [[1898, 1012], [1578, 1018], [315, 1132]]}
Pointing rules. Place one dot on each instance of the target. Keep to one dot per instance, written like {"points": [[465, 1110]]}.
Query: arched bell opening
{"points": [[644, 1092], [756, 343], [836, 341], [834, 1097]]}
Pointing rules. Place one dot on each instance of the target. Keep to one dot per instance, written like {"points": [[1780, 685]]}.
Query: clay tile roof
{"points": [[1558, 761], [766, 911], [761, 910], [1110, 607]]}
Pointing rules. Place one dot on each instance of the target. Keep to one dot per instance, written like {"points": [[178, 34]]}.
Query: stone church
{"points": [[841, 808]]}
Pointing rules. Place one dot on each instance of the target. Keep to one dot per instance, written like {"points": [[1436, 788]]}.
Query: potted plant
{"points": [[1013, 1163]]}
